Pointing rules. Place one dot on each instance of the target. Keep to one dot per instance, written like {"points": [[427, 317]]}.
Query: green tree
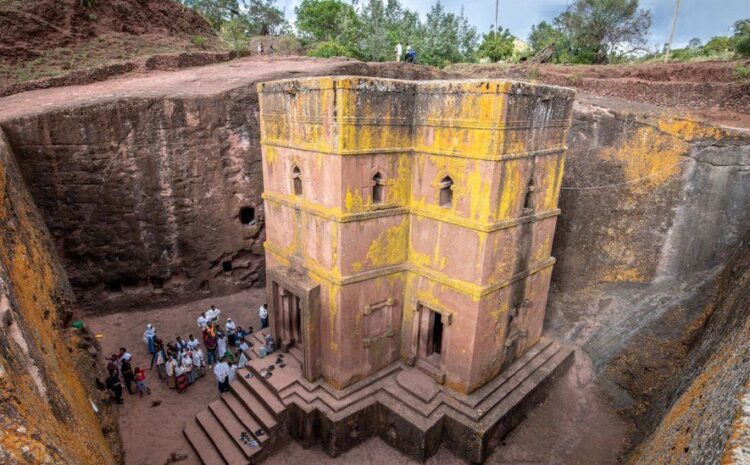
{"points": [[374, 44], [265, 18], [237, 19], [594, 31], [543, 35], [326, 20], [741, 37], [445, 38], [695, 42], [718, 44], [498, 46]]}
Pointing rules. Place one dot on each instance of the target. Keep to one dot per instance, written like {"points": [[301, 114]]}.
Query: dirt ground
{"points": [[717, 91], [574, 426]]}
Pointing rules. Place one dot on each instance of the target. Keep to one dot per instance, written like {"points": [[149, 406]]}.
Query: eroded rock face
{"points": [[150, 201], [46, 382], [706, 420]]}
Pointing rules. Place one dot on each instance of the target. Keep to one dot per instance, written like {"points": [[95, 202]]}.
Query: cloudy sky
{"points": [[698, 18]]}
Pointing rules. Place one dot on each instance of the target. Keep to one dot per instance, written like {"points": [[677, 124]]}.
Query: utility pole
{"points": [[671, 34], [497, 7]]}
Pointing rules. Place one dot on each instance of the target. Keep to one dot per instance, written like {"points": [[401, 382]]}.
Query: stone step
{"points": [[297, 354], [253, 405], [229, 450], [264, 393], [202, 445], [248, 421], [233, 426]]}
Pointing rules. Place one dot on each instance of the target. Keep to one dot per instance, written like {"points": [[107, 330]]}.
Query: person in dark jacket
{"points": [[127, 374], [114, 386]]}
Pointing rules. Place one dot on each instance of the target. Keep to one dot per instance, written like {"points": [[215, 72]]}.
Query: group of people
{"points": [[120, 370], [181, 362], [411, 55]]}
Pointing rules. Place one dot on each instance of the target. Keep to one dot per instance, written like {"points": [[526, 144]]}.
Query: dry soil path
{"points": [[190, 82]]}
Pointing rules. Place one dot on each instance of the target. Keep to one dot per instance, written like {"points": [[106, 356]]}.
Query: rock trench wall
{"points": [[143, 199], [46, 380], [670, 205]]}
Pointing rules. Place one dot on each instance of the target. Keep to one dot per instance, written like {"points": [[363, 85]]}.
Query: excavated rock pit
{"points": [[150, 188]]}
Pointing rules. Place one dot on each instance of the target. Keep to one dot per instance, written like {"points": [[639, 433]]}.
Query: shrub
{"points": [[330, 49], [199, 41], [741, 72]]}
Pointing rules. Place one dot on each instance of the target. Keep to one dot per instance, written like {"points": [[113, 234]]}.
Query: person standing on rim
{"points": [[399, 50], [263, 314]]}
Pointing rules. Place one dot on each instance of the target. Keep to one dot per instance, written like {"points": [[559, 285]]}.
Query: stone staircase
{"points": [[250, 409], [403, 395]]}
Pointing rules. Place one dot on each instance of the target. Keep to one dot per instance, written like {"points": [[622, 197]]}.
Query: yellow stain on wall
{"points": [[688, 130], [389, 248], [648, 159]]}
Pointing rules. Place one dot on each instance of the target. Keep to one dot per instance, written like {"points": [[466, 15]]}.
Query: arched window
{"points": [[297, 181], [528, 201], [378, 189], [446, 192]]}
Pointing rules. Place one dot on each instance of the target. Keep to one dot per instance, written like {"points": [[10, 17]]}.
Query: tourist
{"points": [[140, 382], [148, 337], [209, 340], [221, 343], [263, 314], [127, 373], [161, 361], [112, 364], [399, 50], [229, 355], [221, 371], [270, 345], [181, 345], [181, 379], [202, 321], [171, 369], [243, 357], [231, 328], [124, 354], [242, 333], [213, 314], [158, 350], [198, 365], [187, 362], [411, 55], [232, 372], [260, 48], [114, 386], [171, 349], [192, 342]]}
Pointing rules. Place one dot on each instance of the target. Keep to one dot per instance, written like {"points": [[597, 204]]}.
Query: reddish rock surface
{"points": [[28, 29]]}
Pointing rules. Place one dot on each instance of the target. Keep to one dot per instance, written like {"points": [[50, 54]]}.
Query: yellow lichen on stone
{"points": [[649, 159]]}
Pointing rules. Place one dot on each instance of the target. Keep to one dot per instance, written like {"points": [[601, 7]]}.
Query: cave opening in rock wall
{"points": [[114, 286], [247, 215], [226, 266]]}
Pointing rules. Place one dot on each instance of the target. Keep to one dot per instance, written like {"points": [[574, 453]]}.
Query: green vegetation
{"points": [[497, 47], [717, 48], [199, 41], [330, 49], [236, 20], [593, 31], [741, 72], [587, 32]]}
